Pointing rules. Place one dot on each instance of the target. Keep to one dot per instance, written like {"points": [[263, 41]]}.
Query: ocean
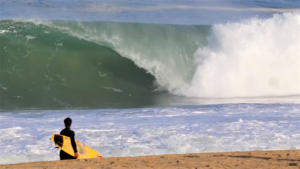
{"points": [[149, 77]]}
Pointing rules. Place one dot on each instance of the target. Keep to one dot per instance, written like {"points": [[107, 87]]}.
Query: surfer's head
{"points": [[68, 122]]}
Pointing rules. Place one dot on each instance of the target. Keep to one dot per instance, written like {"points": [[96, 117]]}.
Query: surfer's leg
{"points": [[65, 156]]}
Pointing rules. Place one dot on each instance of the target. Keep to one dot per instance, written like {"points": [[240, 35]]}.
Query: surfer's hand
{"points": [[76, 155]]}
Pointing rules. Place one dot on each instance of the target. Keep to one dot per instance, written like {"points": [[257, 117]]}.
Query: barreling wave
{"points": [[54, 64]]}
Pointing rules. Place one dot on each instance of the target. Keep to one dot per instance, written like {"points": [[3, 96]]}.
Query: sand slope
{"points": [[239, 160]]}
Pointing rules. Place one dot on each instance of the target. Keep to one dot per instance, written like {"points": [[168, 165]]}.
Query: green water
{"points": [[68, 64]]}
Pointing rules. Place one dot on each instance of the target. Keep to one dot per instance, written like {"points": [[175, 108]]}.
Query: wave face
{"points": [[67, 64], [55, 64]]}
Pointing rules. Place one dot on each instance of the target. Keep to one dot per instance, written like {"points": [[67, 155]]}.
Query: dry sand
{"points": [[255, 159]]}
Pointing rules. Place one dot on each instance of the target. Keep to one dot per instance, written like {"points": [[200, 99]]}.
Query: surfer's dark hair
{"points": [[68, 121]]}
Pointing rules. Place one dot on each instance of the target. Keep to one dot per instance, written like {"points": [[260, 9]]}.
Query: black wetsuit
{"points": [[68, 132]]}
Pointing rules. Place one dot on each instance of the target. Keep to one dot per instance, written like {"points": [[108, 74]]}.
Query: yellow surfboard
{"points": [[84, 151]]}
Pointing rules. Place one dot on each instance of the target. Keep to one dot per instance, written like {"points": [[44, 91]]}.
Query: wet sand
{"points": [[238, 160]]}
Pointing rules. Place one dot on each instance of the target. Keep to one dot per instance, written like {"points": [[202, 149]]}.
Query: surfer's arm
{"points": [[74, 143]]}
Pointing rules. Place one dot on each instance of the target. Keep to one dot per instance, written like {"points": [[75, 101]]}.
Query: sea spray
{"points": [[250, 59]]}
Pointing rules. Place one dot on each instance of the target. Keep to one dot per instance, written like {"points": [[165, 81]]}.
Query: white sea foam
{"points": [[253, 58], [150, 131], [4, 31]]}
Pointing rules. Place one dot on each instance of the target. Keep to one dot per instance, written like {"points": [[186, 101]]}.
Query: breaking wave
{"points": [[54, 64]]}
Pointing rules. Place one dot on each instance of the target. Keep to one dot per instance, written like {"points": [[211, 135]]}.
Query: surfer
{"points": [[70, 133]]}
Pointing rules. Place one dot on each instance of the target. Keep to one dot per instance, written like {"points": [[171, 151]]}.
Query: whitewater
{"points": [[185, 82]]}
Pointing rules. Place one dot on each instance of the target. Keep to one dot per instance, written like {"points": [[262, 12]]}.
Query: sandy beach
{"points": [[248, 160]]}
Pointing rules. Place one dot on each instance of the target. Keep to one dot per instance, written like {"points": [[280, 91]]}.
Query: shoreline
{"points": [[229, 160]]}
